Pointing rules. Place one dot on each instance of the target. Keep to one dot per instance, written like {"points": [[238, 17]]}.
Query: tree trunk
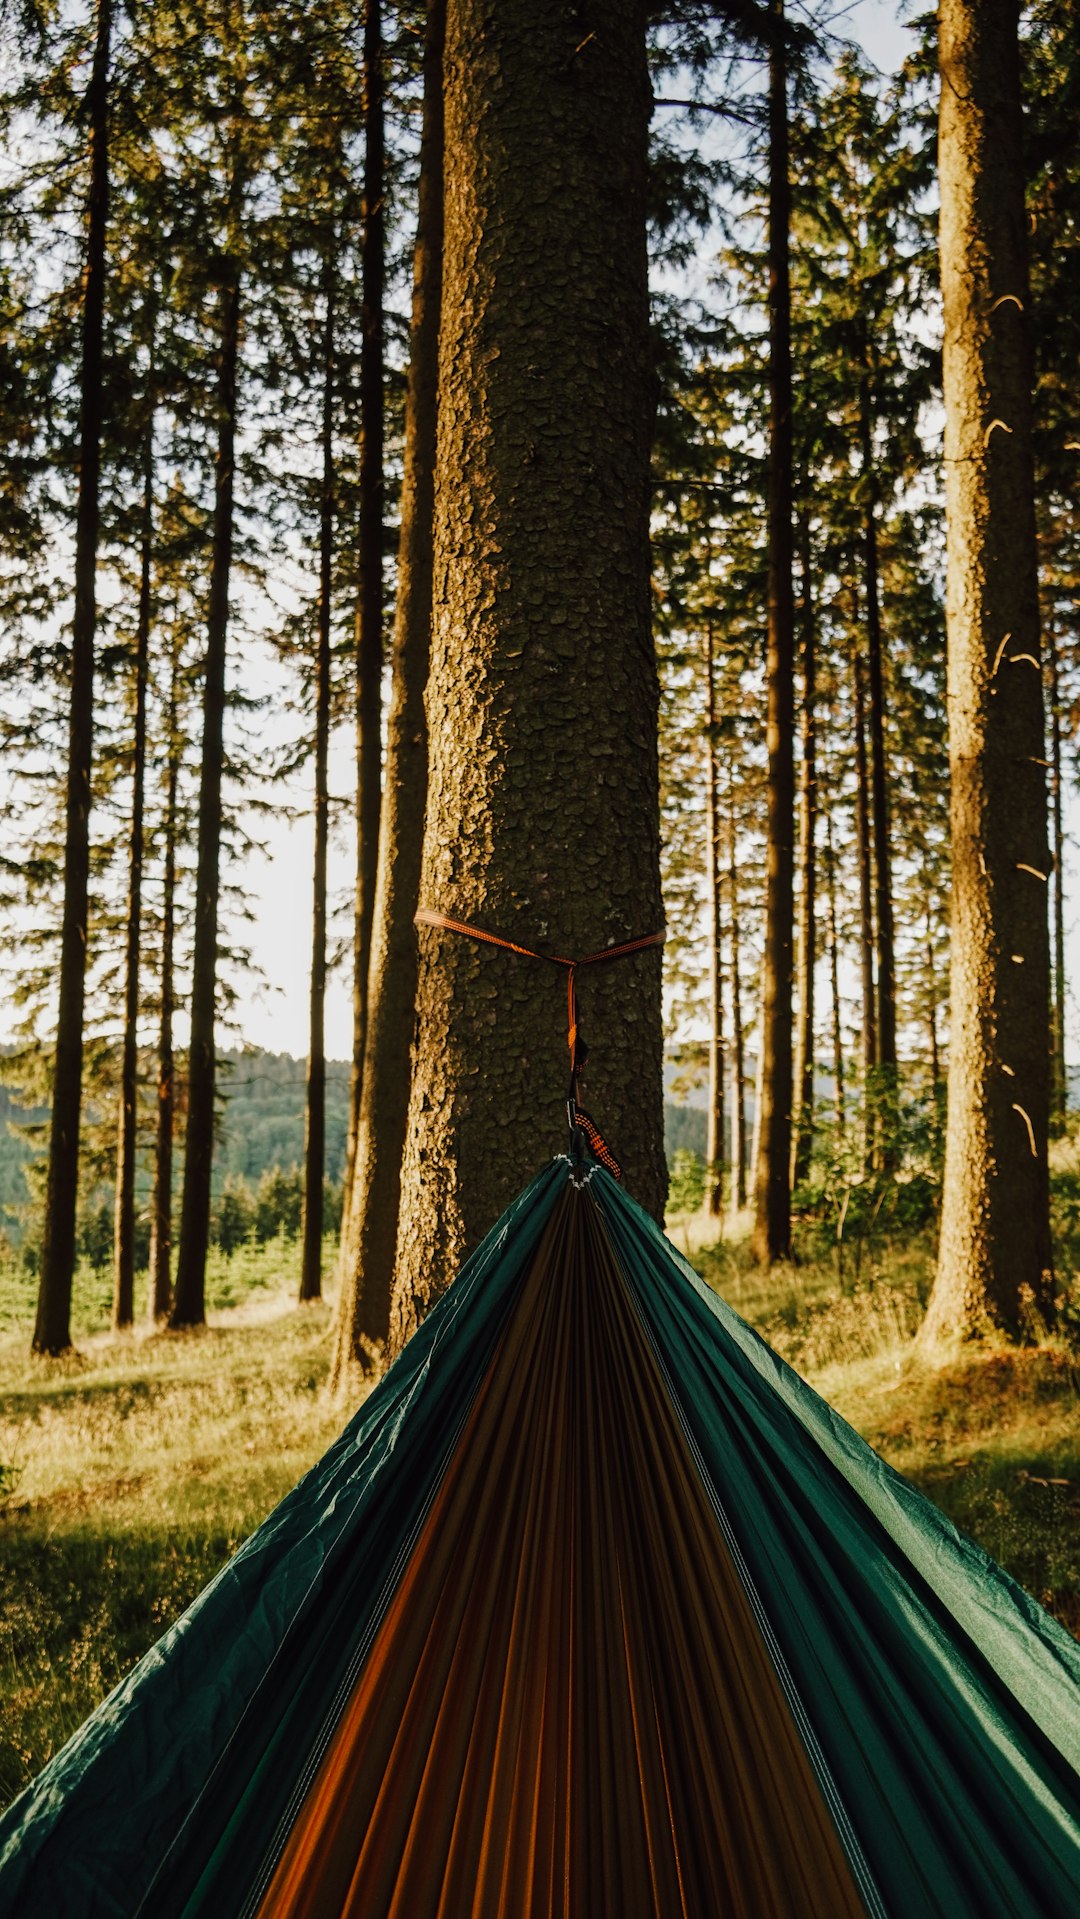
{"points": [[189, 1308], [932, 1005], [1059, 1081], [885, 1053], [543, 806], [866, 913], [772, 1171], [714, 1144], [369, 1229], [994, 1264], [52, 1330], [834, 983], [738, 1049], [161, 1204], [315, 1123], [802, 1144], [127, 1125], [369, 613]]}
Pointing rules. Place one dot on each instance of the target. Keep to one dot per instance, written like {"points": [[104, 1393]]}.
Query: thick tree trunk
{"points": [[1059, 1079], [738, 1047], [315, 1122], [52, 1330], [866, 914], [189, 1308], [369, 612], [543, 810], [772, 1171], [161, 1203], [714, 1143], [995, 1260], [369, 1229], [127, 1124], [802, 1144], [834, 983]]}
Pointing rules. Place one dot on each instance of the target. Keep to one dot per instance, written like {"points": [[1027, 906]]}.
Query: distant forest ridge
{"points": [[261, 1124]]}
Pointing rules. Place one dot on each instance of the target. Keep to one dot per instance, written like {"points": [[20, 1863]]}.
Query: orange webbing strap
{"points": [[425, 917], [578, 1117]]}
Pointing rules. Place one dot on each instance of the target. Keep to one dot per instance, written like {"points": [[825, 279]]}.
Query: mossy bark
{"points": [[369, 1228], [994, 1265], [543, 812]]}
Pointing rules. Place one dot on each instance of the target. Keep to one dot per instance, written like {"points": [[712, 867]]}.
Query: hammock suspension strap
{"points": [[581, 1126]]}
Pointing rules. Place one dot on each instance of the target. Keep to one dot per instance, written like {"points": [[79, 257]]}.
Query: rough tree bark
{"points": [[714, 1143], [802, 1143], [52, 1329], [1059, 1080], [885, 1034], [771, 1239], [369, 1228], [189, 1306], [834, 983], [994, 1263], [127, 1120], [369, 611], [315, 1112], [543, 813], [161, 1202]]}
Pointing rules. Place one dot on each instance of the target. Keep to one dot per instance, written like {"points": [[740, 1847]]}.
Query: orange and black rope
{"points": [[579, 1119]]}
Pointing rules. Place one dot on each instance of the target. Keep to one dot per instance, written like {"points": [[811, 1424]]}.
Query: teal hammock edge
{"points": [[129, 1812], [945, 1700]]}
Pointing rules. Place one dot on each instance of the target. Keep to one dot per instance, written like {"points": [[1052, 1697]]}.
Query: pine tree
{"points": [[542, 662], [995, 1258]]}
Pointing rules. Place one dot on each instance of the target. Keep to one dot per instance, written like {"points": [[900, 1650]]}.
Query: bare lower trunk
{"points": [[541, 650], [189, 1305], [885, 1054], [772, 1171], [714, 1144], [52, 1330], [834, 984], [1059, 1082], [315, 1118], [738, 1048], [161, 1204], [866, 915], [994, 1265], [369, 615], [802, 1144], [369, 1228], [127, 1126]]}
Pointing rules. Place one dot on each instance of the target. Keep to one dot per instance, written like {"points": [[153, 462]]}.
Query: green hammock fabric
{"points": [[917, 1709]]}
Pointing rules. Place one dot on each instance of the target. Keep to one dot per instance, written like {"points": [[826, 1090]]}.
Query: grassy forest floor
{"points": [[131, 1470]]}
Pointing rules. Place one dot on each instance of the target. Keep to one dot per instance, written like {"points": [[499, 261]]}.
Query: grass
{"points": [[131, 1470]]}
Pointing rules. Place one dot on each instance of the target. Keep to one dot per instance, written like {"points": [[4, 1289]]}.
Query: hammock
{"points": [[594, 1608]]}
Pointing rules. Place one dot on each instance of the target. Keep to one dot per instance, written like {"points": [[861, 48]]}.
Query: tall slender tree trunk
{"points": [[802, 1144], [315, 1122], [866, 912], [772, 1171], [994, 1263], [369, 613], [52, 1329], [127, 1123], [834, 983], [161, 1203], [738, 1046], [1059, 1083], [714, 1143], [189, 1306], [542, 659], [369, 1228], [885, 1036], [932, 1005]]}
